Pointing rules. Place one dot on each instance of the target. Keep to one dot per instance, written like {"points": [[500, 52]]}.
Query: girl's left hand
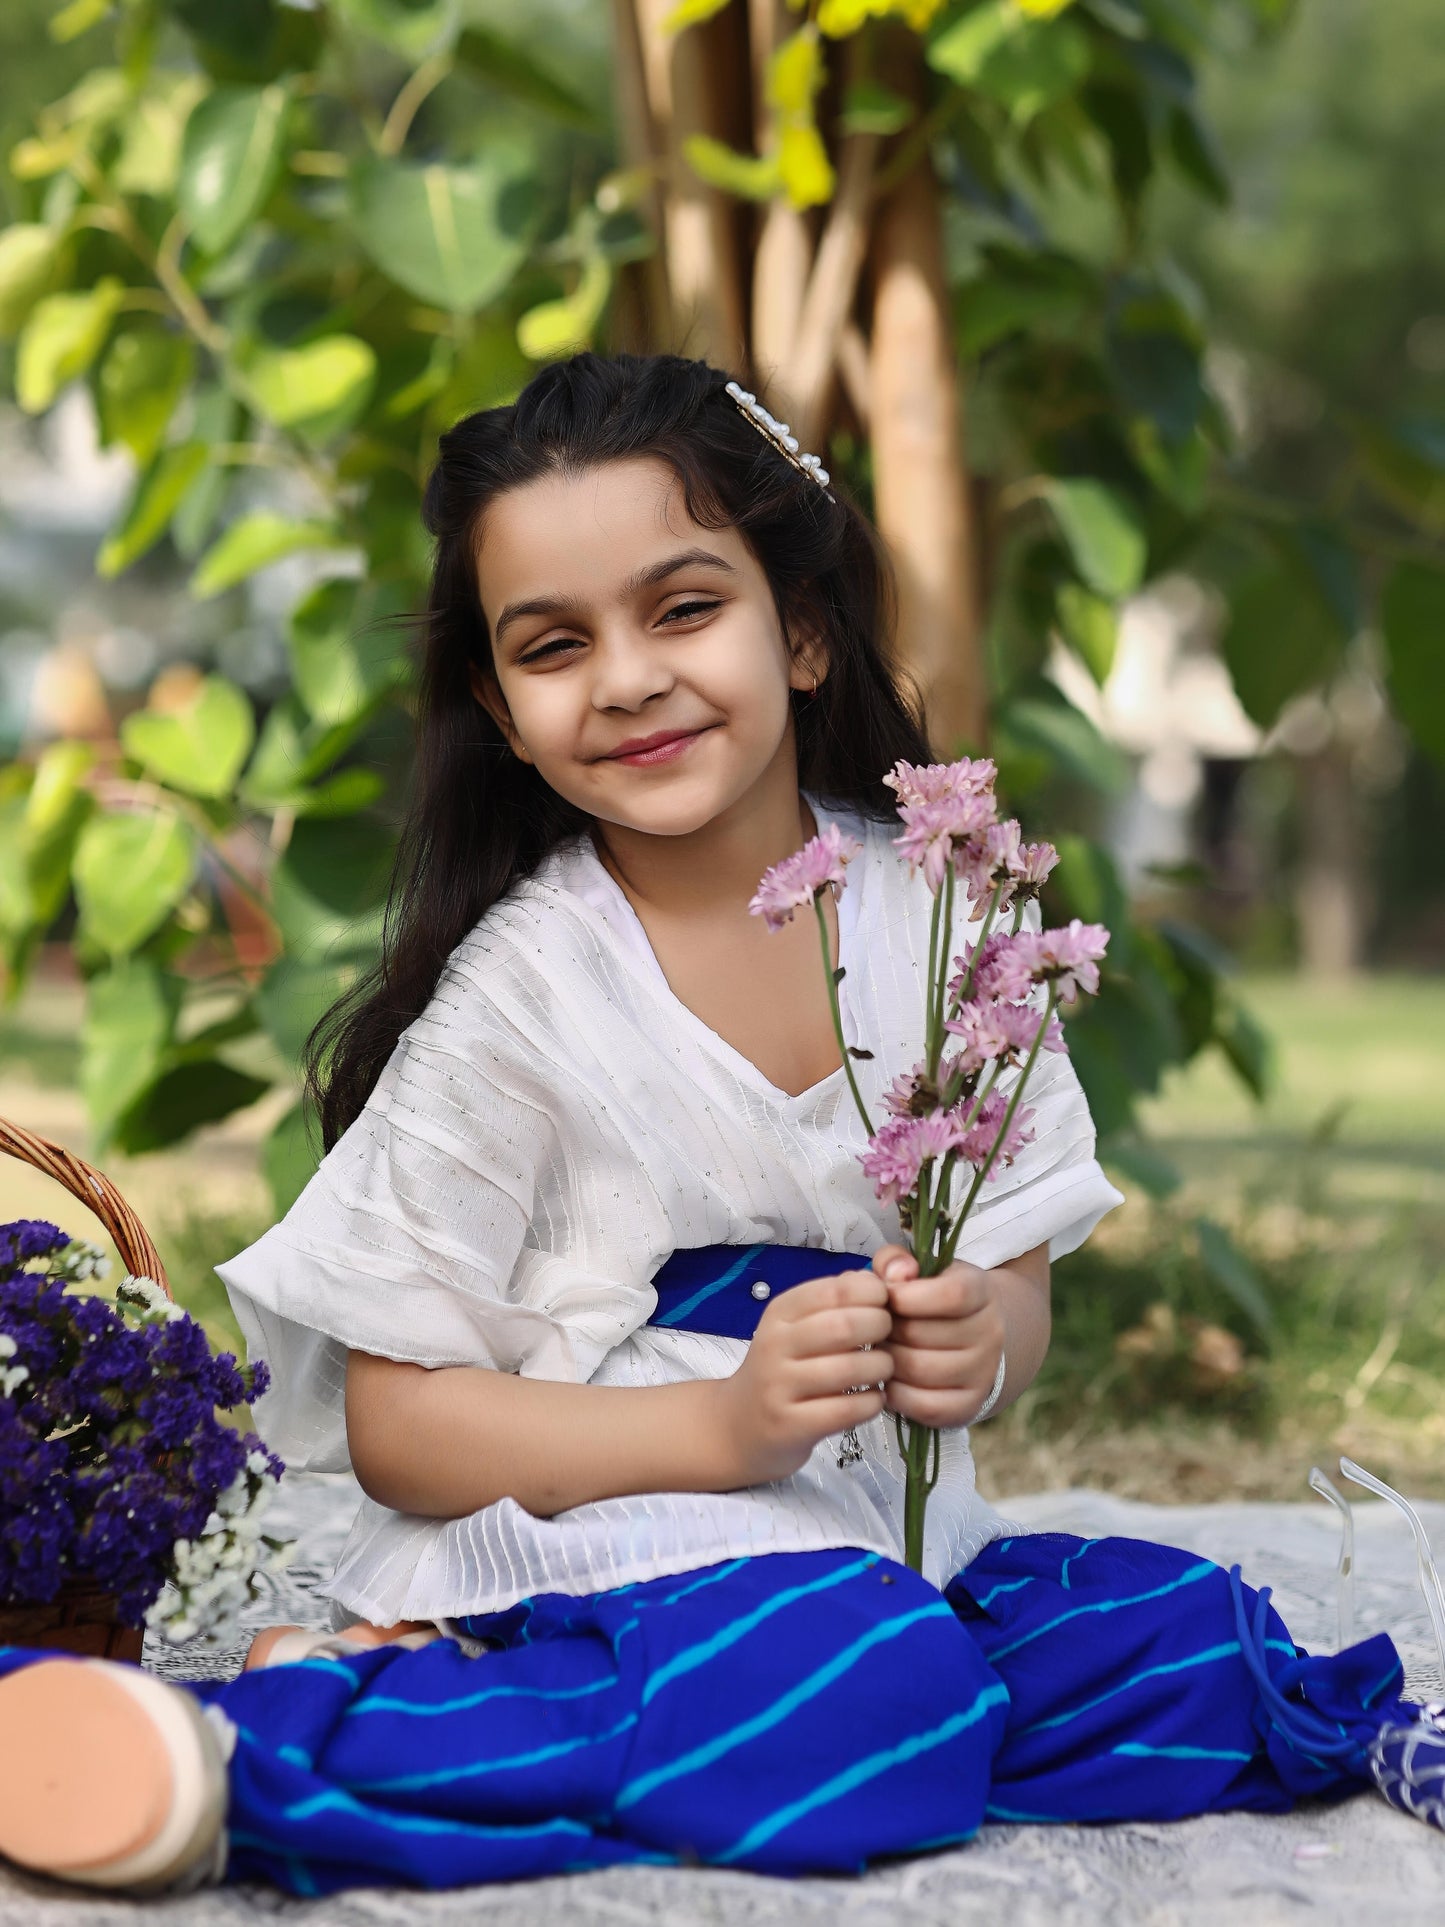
{"points": [[948, 1336]]}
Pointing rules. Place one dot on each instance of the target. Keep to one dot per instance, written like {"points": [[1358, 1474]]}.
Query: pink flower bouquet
{"points": [[958, 1114]]}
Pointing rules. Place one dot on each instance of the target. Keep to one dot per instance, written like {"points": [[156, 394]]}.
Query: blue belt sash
{"points": [[710, 1288]]}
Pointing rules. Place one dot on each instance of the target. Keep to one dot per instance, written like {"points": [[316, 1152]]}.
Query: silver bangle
{"points": [[993, 1397]]}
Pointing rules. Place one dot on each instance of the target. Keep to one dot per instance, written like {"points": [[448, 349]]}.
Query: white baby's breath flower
{"points": [[79, 1261], [7, 1345], [12, 1379], [147, 1296]]}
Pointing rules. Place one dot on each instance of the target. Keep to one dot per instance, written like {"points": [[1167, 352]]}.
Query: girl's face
{"points": [[616, 619]]}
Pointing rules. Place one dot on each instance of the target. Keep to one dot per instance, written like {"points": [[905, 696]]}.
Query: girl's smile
{"points": [[623, 634], [665, 747]]}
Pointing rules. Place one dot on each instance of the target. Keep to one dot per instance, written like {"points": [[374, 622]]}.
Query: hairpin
{"points": [[780, 436]]}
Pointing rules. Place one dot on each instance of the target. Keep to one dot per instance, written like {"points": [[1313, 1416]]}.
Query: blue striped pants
{"points": [[793, 1713]]}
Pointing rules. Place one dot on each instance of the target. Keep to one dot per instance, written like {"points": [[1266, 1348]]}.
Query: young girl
{"points": [[593, 1294]]}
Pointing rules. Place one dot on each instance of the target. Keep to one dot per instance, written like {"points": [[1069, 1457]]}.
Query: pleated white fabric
{"points": [[551, 1128]]}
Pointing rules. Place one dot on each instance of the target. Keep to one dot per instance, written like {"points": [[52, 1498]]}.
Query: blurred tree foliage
{"points": [[286, 244]]}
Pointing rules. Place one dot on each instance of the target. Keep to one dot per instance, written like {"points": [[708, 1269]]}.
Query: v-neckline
{"points": [[641, 953]]}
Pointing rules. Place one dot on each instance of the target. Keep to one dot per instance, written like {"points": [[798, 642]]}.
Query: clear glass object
{"points": [[1345, 1581], [1429, 1573]]}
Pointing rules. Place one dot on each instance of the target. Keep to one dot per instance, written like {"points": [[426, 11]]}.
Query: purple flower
{"points": [[915, 783], [945, 829], [1068, 959], [1003, 971], [111, 1449], [898, 1151], [25, 1240], [796, 881], [977, 1143]]}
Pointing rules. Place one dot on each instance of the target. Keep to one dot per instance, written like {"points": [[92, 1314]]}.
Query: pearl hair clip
{"points": [[779, 435]]}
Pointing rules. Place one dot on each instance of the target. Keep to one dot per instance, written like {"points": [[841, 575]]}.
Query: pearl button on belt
{"points": [[760, 1290]]}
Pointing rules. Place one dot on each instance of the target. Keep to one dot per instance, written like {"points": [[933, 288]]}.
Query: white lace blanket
{"points": [[1355, 1863]]}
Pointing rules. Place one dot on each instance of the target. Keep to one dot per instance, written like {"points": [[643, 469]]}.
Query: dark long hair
{"points": [[480, 819]]}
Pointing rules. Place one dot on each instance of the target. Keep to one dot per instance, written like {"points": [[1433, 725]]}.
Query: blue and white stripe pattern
{"points": [[794, 1713]]}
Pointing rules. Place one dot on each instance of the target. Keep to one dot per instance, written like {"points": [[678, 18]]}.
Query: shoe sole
{"points": [[108, 1777]]}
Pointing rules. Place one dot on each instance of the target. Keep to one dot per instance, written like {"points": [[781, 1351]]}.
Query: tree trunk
{"points": [[695, 84], [921, 494]]}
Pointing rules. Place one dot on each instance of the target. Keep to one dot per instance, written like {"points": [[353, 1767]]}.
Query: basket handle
{"points": [[81, 1180]]}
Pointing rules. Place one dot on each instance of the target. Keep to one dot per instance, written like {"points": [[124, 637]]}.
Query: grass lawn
{"points": [[1161, 1382]]}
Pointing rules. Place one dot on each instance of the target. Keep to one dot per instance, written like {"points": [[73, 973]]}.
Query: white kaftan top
{"points": [[550, 1129]]}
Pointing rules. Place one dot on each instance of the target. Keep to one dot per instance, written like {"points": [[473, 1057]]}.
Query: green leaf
{"points": [[1090, 627], [1023, 64], [556, 328], [1017, 292], [1108, 1086], [452, 236], [347, 647], [1143, 1164], [871, 108], [61, 339], [1406, 463], [56, 809], [1068, 739], [1414, 623], [327, 382], [130, 1019], [296, 996], [504, 65], [1089, 885], [1197, 156], [752, 177], [288, 1158], [1232, 1271], [1103, 532], [253, 543], [151, 135], [343, 794], [157, 497], [216, 421], [329, 890], [131, 870], [143, 376], [181, 1100], [28, 257], [410, 27], [199, 749], [231, 158], [1248, 1048], [77, 18], [253, 40], [1283, 636]]}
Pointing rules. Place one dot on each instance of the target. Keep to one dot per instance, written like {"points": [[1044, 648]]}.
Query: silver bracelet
{"points": [[993, 1397]]}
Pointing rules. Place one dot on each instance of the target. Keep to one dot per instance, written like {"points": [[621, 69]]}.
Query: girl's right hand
{"points": [[792, 1389]]}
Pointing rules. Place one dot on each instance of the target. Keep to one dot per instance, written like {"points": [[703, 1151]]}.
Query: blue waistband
{"points": [[709, 1288]]}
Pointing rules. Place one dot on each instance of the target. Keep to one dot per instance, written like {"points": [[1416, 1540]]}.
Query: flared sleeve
{"points": [[420, 1236]]}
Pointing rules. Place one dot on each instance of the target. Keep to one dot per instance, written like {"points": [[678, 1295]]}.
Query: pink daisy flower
{"points": [[934, 829], [1004, 973], [1068, 959], [977, 1143], [934, 782], [897, 1152], [794, 883]]}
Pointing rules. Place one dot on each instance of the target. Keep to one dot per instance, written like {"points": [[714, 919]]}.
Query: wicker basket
{"points": [[82, 1618]]}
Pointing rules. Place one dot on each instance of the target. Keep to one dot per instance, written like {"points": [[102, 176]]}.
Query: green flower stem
{"points": [[938, 972], [929, 1055], [965, 989], [838, 1015], [951, 1244]]}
